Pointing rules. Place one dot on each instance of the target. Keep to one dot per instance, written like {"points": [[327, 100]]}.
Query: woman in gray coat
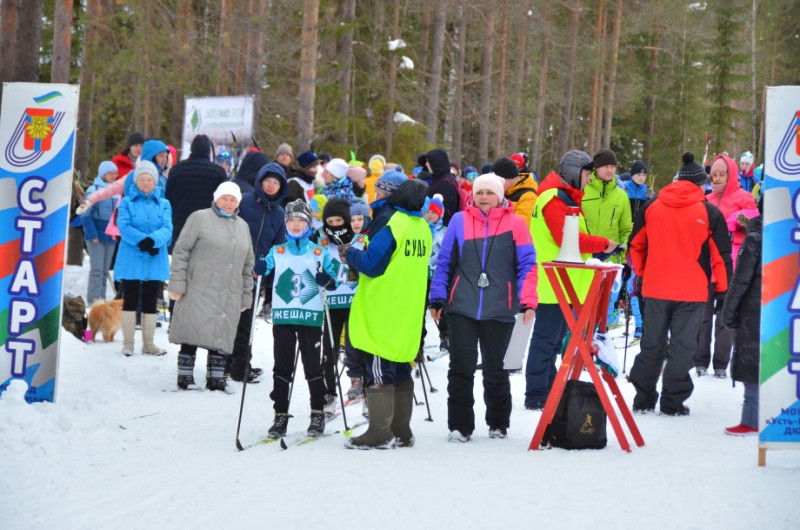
{"points": [[211, 280]]}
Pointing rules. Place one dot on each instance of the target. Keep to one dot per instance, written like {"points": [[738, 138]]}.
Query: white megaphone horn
{"points": [[570, 252]]}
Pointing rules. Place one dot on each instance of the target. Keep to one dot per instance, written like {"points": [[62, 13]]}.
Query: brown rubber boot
{"points": [[381, 411], [403, 408]]}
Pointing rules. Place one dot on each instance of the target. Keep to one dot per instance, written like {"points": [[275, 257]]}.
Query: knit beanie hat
{"points": [[145, 168], [436, 205], [338, 168], [747, 156], [356, 174], [490, 182], [284, 149], [486, 168], [518, 160], [470, 173], [625, 177], [200, 146], [106, 166], [228, 188], [571, 165], [337, 207], [692, 171], [638, 167], [390, 181], [306, 158], [300, 210], [135, 138], [359, 208], [604, 157], [505, 168]]}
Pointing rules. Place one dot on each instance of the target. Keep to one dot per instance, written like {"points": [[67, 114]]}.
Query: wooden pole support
{"points": [[762, 457]]}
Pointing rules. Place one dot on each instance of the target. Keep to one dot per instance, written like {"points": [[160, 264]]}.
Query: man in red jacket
{"points": [[677, 241]]}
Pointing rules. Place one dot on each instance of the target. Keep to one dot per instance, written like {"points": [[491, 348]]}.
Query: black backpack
{"points": [[580, 420]]}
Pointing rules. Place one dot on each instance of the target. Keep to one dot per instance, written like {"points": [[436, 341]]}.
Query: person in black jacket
{"points": [[192, 183], [261, 210], [443, 182], [742, 314], [248, 169]]}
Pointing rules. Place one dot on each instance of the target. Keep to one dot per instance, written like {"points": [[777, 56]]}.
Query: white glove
{"points": [[85, 205]]}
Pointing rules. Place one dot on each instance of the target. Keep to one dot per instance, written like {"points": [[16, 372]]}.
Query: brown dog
{"points": [[105, 317]]}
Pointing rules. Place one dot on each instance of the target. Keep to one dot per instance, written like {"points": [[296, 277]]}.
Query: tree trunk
{"points": [[9, 11], [486, 84], [595, 116], [392, 89], [185, 39], [95, 10], [28, 41], [650, 101], [422, 67], [612, 75], [500, 127], [541, 98], [346, 62], [458, 99], [566, 108], [435, 79], [62, 42], [522, 70], [308, 75], [224, 55]]}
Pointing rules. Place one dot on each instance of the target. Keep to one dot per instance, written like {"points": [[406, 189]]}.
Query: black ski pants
{"points": [[670, 332], [723, 341], [287, 337], [494, 336], [331, 356]]}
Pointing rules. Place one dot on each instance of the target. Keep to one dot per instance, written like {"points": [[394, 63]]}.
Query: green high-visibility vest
{"points": [[387, 311], [547, 250]]}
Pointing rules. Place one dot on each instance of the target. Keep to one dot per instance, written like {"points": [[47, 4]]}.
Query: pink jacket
{"points": [[732, 201]]}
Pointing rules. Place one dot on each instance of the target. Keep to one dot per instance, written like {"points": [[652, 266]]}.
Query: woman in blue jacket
{"points": [[100, 245], [145, 226]]}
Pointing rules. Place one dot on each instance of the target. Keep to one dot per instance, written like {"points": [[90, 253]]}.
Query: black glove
{"points": [[153, 251], [323, 279], [436, 304], [146, 244], [719, 301]]}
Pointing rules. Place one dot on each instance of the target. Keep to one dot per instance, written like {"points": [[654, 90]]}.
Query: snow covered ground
{"points": [[120, 449]]}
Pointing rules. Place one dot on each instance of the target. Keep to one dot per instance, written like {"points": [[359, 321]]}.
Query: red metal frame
{"points": [[582, 320]]}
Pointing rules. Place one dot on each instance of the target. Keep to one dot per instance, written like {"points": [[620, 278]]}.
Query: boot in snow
{"points": [[128, 323], [356, 388], [381, 412], [278, 429], [148, 332], [186, 371], [215, 372], [403, 407], [317, 425], [330, 406]]}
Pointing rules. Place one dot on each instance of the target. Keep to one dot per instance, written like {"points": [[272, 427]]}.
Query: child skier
{"points": [[434, 218], [336, 231], [301, 269]]}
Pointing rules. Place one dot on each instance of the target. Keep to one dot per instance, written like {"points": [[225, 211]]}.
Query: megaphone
{"points": [[570, 251]]}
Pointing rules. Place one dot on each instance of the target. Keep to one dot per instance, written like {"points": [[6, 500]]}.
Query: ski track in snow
{"points": [[116, 451]]}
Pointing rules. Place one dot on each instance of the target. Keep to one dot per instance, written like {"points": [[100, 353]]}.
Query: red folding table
{"points": [[582, 320]]}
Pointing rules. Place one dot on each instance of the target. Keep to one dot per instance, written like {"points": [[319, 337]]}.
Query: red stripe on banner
{"points": [[779, 277], [47, 263]]}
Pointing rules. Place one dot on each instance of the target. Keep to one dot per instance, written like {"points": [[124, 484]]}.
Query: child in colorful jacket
{"points": [[301, 269]]}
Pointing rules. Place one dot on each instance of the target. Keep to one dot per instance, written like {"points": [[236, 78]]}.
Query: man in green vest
{"points": [[556, 192], [393, 274]]}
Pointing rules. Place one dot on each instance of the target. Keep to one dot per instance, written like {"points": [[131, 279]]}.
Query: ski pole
{"points": [[425, 370], [627, 301], [294, 372], [247, 369], [334, 349], [425, 394]]}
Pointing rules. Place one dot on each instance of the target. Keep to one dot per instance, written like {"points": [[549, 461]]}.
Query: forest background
{"points": [[482, 78]]}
